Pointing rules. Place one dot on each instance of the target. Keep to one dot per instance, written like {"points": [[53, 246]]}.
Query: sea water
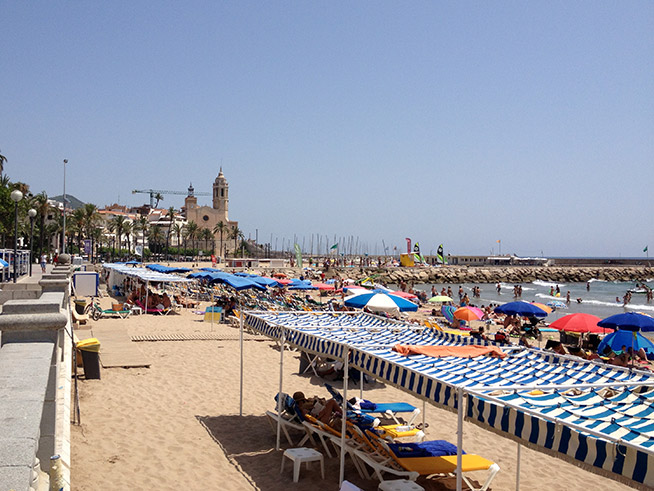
{"points": [[599, 299]]}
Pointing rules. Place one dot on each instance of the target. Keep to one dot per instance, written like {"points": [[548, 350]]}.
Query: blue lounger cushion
{"points": [[433, 448]]}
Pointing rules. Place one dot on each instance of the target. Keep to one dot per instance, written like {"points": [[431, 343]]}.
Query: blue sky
{"points": [[448, 122]]}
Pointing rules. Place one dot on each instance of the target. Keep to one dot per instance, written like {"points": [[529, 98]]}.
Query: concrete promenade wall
{"points": [[35, 384]]}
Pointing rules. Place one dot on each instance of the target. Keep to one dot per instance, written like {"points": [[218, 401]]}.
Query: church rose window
{"points": [[205, 218]]}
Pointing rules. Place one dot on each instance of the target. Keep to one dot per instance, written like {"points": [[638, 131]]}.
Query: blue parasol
{"points": [[631, 339], [522, 309], [628, 321]]}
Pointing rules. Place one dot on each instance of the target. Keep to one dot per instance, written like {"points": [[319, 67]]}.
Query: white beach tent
{"points": [[118, 271], [549, 402]]}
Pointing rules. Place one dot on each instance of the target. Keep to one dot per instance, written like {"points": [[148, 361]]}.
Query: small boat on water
{"points": [[640, 288]]}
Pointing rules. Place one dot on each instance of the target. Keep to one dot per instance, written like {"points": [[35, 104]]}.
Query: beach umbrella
{"points": [[628, 321], [579, 322], [407, 295], [448, 312], [3, 263], [439, 299], [522, 309], [542, 306], [466, 314], [379, 301], [262, 280], [631, 339], [283, 281], [324, 286]]}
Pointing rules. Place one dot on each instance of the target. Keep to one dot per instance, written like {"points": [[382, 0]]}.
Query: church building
{"points": [[209, 217]]}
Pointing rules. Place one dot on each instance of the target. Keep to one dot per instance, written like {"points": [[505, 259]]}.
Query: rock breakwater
{"points": [[454, 274]]}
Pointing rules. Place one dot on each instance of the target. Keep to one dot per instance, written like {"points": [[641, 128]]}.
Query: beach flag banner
{"points": [[408, 245], [416, 248], [335, 246], [645, 250], [298, 255], [439, 254]]}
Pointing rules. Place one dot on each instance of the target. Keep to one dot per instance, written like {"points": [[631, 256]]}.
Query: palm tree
{"points": [[171, 216], [206, 235], [155, 237], [235, 234], [220, 229], [192, 232], [142, 226], [111, 228], [77, 223], [178, 228], [158, 197], [91, 220], [3, 159], [128, 230], [119, 222], [43, 209]]}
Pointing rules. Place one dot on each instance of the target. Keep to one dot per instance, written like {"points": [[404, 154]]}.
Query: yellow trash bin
{"points": [[90, 349]]}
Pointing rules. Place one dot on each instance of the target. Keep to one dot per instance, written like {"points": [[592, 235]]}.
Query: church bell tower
{"points": [[221, 196]]}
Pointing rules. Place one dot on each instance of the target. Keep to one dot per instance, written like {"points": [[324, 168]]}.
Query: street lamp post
{"points": [[63, 245], [32, 214], [16, 196]]}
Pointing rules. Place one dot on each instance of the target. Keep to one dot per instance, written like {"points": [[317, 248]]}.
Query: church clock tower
{"points": [[221, 196]]}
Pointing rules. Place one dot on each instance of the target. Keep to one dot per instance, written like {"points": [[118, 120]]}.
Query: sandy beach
{"points": [[176, 425]]}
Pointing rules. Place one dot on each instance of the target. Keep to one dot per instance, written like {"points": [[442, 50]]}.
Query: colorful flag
{"points": [[499, 241], [439, 254], [335, 246], [408, 245], [416, 248], [645, 250]]}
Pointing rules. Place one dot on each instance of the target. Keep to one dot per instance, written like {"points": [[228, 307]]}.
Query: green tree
{"points": [[171, 217], [128, 230], [192, 232], [92, 219], [3, 159], [158, 197], [156, 238], [178, 228], [220, 228], [235, 234]]}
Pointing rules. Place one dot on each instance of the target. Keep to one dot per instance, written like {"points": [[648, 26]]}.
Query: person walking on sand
{"points": [[567, 298]]}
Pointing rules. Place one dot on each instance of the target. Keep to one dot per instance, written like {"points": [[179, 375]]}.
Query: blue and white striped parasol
{"points": [[379, 301]]}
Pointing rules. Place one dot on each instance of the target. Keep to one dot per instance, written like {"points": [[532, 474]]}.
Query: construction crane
{"points": [[154, 192]]}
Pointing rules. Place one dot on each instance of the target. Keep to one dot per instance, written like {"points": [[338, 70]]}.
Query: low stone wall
{"points": [[35, 386]]}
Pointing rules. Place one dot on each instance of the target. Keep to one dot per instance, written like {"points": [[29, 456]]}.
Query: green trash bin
{"points": [[90, 349], [80, 306]]}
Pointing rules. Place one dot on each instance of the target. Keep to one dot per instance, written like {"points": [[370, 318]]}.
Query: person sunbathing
{"points": [[321, 409]]}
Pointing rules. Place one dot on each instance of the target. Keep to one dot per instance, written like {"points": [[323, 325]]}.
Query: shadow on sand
{"points": [[248, 443]]}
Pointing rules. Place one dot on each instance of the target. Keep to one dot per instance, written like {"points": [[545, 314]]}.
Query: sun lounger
{"points": [[290, 419], [390, 409], [151, 310], [97, 312], [328, 434], [445, 464]]}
